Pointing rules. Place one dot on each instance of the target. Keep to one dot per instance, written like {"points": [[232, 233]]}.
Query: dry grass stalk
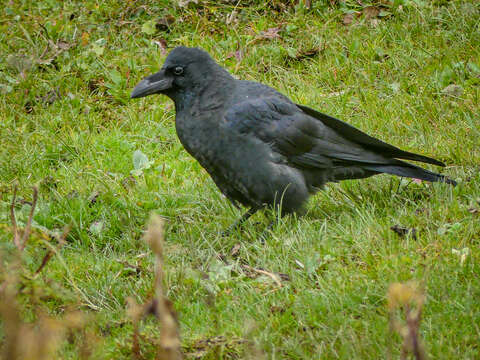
{"points": [[16, 234], [274, 277], [21, 241], [135, 312], [39, 340], [169, 341], [409, 298]]}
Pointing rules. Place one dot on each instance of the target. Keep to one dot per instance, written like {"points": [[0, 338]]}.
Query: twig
{"points": [[50, 252], [16, 235], [273, 276], [28, 228]]}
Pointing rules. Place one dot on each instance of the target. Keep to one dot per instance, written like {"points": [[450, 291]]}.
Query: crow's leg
{"points": [[240, 221]]}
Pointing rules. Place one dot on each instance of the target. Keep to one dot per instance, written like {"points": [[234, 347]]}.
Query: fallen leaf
{"points": [[347, 19], [162, 45], [50, 97], [403, 231], [271, 33], [85, 38], [184, 3], [140, 163], [371, 12], [63, 45], [453, 90], [235, 250], [164, 23], [277, 309], [474, 211]]}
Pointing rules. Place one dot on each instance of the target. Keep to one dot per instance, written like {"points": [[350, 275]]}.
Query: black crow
{"points": [[259, 147]]}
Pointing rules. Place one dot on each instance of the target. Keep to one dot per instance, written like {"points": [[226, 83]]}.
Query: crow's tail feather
{"points": [[401, 168]]}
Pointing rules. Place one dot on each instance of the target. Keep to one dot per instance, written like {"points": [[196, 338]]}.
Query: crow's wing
{"points": [[309, 139], [353, 134]]}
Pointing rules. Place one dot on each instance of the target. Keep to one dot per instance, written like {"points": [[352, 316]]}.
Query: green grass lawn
{"points": [[409, 74]]}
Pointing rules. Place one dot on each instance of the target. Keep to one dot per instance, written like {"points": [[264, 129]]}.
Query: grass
{"points": [[66, 70]]}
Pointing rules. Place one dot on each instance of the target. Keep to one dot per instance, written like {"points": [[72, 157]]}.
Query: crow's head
{"points": [[186, 70]]}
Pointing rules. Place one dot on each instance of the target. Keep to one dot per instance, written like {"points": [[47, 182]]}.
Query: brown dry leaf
{"points": [[371, 12], [164, 23], [50, 97], [271, 33], [277, 309], [453, 90], [235, 250], [162, 45], [85, 39], [403, 231], [63, 45], [347, 19]]}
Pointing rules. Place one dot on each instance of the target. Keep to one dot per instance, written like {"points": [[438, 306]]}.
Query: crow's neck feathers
{"points": [[211, 90]]}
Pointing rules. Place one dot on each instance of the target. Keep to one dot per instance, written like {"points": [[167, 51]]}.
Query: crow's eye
{"points": [[178, 70]]}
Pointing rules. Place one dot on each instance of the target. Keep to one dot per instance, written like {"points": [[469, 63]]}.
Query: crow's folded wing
{"points": [[353, 134], [307, 138]]}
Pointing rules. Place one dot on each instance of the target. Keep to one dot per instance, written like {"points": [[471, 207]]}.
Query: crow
{"points": [[260, 148]]}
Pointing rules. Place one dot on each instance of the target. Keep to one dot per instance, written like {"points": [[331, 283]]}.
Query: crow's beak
{"points": [[153, 84]]}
